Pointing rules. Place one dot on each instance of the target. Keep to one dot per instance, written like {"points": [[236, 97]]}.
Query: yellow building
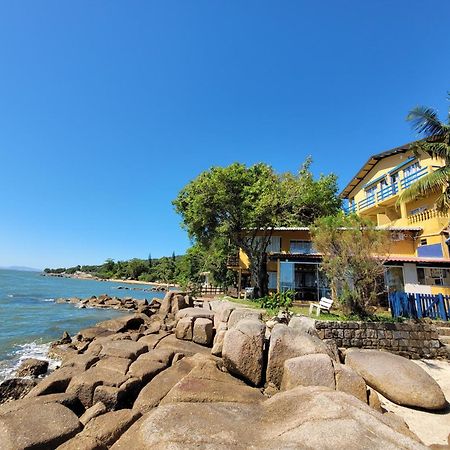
{"points": [[419, 257], [419, 254]]}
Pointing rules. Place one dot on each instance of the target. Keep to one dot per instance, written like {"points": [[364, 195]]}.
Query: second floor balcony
{"points": [[386, 192]]}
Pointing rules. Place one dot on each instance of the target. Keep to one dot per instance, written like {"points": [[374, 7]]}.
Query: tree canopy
{"points": [[244, 204], [353, 253]]}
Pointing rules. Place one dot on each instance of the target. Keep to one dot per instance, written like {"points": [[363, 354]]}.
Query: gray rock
{"points": [[203, 332], [96, 410], [39, 426], [308, 370], [184, 329], [15, 388], [313, 417], [124, 349], [305, 324], [242, 350], [238, 314], [287, 342], [347, 380], [55, 383], [195, 313], [397, 378]]}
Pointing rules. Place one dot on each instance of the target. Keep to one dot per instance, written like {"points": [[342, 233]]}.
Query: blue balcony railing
{"points": [[387, 191], [369, 201], [410, 179]]}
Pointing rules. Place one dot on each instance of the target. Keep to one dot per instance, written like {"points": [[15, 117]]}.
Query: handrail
{"points": [[410, 179], [387, 191], [425, 215]]}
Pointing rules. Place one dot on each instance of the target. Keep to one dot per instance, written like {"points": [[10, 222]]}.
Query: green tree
{"points": [[244, 204], [354, 252], [135, 268], [435, 143]]}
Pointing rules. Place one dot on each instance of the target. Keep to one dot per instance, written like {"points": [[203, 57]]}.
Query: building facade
{"points": [[423, 265], [419, 252]]}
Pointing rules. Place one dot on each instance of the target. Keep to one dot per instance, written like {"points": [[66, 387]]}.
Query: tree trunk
{"points": [[258, 271]]}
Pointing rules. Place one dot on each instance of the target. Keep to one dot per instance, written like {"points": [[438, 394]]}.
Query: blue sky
{"points": [[107, 108]]}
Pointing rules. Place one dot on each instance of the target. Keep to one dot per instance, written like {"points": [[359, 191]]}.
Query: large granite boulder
{"points": [[124, 349], [242, 350], [288, 342], [236, 315], [32, 367], [313, 417], [107, 428], [83, 385], [125, 323], [397, 378], [56, 382], [161, 384], [187, 348], [195, 313], [347, 380], [203, 331], [303, 323], [206, 383], [308, 370], [15, 388], [38, 426]]}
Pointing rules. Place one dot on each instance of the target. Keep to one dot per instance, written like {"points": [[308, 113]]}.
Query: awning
{"points": [[444, 262]]}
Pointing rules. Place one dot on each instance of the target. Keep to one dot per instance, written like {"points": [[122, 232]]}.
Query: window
{"points": [[410, 170], [370, 192], [433, 276], [301, 247], [274, 245]]}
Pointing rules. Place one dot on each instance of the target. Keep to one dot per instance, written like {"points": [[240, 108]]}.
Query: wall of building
{"points": [[412, 340]]}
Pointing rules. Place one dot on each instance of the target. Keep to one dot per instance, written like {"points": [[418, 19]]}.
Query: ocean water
{"points": [[30, 319]]}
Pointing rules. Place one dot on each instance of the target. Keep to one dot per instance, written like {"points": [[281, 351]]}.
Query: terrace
{"points": [[382, 193]]}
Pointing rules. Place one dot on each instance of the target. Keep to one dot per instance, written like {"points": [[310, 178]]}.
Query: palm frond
{"points": [[430, 184], [433, 149], [443, 202], [426, 122]]}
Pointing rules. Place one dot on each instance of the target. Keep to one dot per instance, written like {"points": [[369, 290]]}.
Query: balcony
{"points": [[387, 192], [426, 215]]}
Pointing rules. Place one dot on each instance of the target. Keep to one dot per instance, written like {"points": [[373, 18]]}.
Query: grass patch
{"points": [[335, 315]]}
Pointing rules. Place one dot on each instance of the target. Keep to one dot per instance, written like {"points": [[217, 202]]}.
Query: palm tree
{"points": [[435, 143]]}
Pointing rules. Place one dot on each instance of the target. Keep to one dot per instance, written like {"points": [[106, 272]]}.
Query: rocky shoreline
{"points": [[171, 375]]}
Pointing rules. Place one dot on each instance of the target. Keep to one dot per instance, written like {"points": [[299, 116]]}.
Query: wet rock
{"points": [[32, 368]]}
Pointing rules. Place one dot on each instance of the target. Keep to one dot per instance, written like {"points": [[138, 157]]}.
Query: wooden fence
{"points": [[209, 290], [419, 305]]}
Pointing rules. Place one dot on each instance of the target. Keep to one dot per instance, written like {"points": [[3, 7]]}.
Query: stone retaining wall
{"points": [[412, 340]]}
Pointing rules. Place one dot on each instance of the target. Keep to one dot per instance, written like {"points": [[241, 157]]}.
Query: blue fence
{"points": [[417, 306]]}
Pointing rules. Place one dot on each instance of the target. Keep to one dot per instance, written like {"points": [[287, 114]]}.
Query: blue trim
{"points": [[397, 168], [374, 181]]}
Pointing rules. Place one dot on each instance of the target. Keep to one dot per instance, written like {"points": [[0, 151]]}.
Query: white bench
{"points": [[325, 304]]}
